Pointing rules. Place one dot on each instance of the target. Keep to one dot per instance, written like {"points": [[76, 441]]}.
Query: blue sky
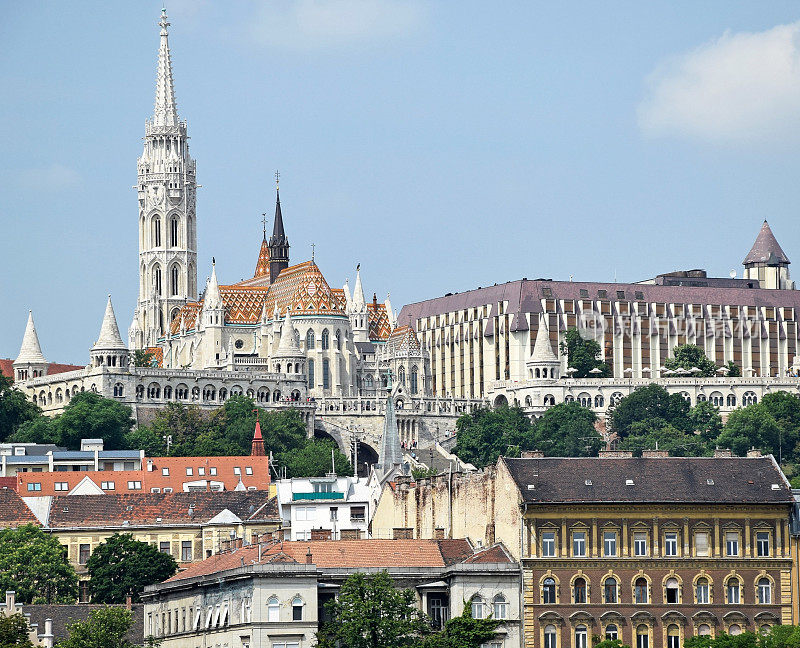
{"points": [[441, 145]]}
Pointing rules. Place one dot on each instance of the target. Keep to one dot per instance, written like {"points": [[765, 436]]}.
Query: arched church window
{"points": [[310, 366], [309, 340], [157, 279], [157, 232], [174, 281], [325, 339], [401, 375], [414, 379], [326, 372], [173, 232], [338, 340]]}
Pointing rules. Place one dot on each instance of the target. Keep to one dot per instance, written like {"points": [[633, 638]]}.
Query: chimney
{"points": [[752, 453], [403, 533], [321, 534], [723, 453], [615, 454], [309, 557], [10, 601], [47, 637], [128, 602], [654, 454], [375, 301], [532, 454]]}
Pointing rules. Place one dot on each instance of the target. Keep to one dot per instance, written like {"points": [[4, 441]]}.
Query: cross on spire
{"points": [[277, 180], [264, 223], [313, 248]]}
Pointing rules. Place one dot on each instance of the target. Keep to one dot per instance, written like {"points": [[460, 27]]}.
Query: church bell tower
{"points": [[167, 218]]}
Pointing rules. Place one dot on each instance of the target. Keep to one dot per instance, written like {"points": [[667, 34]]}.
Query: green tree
{"points": [[485, 434], [14, 632], [105, 628], [184, 423], [35, 565], [567, 430], [463, 631], [39, 430], [691, 356], [610, 643], [121, 566], [371, 613], [733, 369], [145, 438], [15, 409], [750, 427], [142, 358], [657, 434], [314, 460], [705, 420], [653, 406], [785, 409], [583, 355], [423, 473], [90, 416]]}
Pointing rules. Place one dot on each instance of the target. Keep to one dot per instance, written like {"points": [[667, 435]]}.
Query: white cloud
{"points": [[742, 87], [319, 24], [54, 177]]}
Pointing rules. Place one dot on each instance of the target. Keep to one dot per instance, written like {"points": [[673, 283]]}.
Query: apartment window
{"points": [[609, 543], [34, 486], [642, 637], [548, 591], [762, 543], [672, 590], [165, 472], [640, 543], [701, 543], [550, 636], [213, 471], [764, 591], [84, 551], [673, 637], [640, 591], [477, 607], [186, 550], [579, 543], [297, 609], [701, 591], [579, 590], [273, 609], [83, 592], [733, 591], [548, 544], [163, 547], [189, 472], [358, 514], [500, 606], [671, 544], [610, 590], [61, 486], [334, 513], [109, 485], [580, 636], [237, 471], [731, 543], [134, 485], [201, 471], [248, 470]]}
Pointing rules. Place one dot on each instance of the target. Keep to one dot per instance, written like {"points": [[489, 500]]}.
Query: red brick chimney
{"points": [[309, 557]]}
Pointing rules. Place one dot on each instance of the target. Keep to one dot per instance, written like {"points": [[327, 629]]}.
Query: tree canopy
{"points": [[121, 566], [651, 407], [691, 356], [314, 460], [35, 565], [779, 636], [14, 631], [105, 628], [15, 408], [583, 355], [567, 430], [485, 434], [371, 613]]}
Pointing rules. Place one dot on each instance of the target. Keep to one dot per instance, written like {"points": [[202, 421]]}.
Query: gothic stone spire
{"points": [[30, 352], [278, 243], [166, 110]]}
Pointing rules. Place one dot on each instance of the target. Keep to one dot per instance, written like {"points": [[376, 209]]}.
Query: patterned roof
{"points": [[262, 267], [379, 326], [158, 355], [404, 340]]}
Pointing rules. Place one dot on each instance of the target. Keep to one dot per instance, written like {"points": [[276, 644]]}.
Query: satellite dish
{"points": [[733, 274]]}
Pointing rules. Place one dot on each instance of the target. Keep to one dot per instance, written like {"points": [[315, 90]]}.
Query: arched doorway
{"points": [[367, 457]]}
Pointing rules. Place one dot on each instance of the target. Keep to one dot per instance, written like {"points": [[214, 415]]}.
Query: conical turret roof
{"points": [[542, 349], [212, 297], [358, 300], [288, 343], [30, 352], [110, 338], [766, 249]]}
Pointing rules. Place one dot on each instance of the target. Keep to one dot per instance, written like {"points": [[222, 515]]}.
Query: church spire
{"points": [[262, 266], [278, 243], [31, 351], [109, 331], [166, 110]]}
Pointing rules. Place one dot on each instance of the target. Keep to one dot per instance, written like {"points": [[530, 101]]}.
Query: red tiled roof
{"points": [[262, 266], [175, 479], [494, 554], [172, 508], [379, 326], [347, 554], [13, 510], [7, 368], [9, 482]]}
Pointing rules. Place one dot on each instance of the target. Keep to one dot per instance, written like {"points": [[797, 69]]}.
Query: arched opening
{"points": [[501, 401], [367, 457]]}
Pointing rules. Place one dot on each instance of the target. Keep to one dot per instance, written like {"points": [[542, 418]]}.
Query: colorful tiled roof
{"points": [[346, 554], [158, 355], [13, 510], [379, 326], [404, 340], [262, 266]]}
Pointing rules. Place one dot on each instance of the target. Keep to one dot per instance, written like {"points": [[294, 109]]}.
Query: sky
{"points": [[441, 145]]}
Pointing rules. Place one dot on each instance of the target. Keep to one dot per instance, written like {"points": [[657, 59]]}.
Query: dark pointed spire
{"points": [[278, 243]]}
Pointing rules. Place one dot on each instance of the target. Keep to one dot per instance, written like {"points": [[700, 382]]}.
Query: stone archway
{"points": [[500, 401]]}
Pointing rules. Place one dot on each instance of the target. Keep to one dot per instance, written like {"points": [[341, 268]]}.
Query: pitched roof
{"points": [[766, 249], [604, 480], [172, 508], [379, 326], [13, 510], [262, 265], [341, 554], [403, 340], [542, 349]]}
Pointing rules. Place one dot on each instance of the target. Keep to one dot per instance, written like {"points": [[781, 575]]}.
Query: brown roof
{"points": [[64, 615], [604, 480], [13, 510], [7, 368], [171, 508], [346, 554], [766, 249], [494, 554]]}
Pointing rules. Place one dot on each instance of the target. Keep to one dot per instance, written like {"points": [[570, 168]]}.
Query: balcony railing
{"points": [[318, 496]]}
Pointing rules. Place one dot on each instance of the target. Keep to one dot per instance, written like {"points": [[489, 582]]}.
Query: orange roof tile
{"points": [[7, 368], [13, 510], [262, 266], [379, 326]]}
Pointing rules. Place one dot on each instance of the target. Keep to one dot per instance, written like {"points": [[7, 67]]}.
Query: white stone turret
{"points": [[357, 311], [167, 224], [109, 350], [390, 313], [543, 363], [30, 362], [347, 299], [289, 357], [213, 308]]}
